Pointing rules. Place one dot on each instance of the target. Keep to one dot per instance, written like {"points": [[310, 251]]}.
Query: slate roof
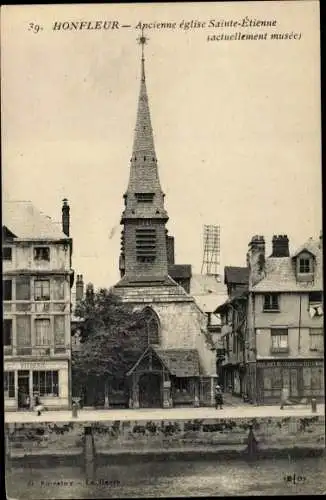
{"points": [[281, 272], [236, 275], [180, 362], [27, 222]]}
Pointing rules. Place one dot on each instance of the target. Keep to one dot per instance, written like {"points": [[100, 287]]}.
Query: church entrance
{"points": [[150, 390]]}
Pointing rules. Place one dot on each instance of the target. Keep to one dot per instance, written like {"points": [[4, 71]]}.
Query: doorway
{"points": [[150, 390], [24, 398]]}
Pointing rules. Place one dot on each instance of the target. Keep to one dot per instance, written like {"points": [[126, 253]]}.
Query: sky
{"points": [[236, 123]]}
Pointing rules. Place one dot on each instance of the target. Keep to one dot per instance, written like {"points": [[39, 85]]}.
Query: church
{"points": [[178, 366]]}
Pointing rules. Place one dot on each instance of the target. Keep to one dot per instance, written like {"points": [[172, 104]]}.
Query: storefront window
{"points": [[46, 383], [9, 384]]}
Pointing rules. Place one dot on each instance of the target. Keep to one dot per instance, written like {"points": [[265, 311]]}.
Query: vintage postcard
{"points": [[162, 250]]}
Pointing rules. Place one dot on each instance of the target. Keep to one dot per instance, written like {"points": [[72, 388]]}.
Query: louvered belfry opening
{"points": [[146, 244]]}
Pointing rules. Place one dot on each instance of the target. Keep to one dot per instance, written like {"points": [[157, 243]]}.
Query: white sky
{"points": [[236, 124]]}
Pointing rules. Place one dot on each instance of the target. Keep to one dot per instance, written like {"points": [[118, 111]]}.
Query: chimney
{"points": [[256, 259], [170, 249], [280, 245], [79, 288], [65, 217]]}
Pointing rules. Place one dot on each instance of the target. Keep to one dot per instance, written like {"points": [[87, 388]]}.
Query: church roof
{"points": [[27, 222]]}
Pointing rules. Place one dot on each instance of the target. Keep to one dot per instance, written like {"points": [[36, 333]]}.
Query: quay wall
{"points": [[161, 436]]}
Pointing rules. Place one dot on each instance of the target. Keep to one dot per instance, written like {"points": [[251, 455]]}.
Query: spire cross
{"points": [[142, 39]]}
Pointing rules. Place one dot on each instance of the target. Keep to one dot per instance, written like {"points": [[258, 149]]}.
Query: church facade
{"points": [[178, 365]]}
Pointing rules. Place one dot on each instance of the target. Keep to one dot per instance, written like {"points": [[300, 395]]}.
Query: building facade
{"points": [[37, 278], [178, 366], [285, 320]]}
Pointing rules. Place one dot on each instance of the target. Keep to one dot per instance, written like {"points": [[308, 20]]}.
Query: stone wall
{"points": [[160, 436]]}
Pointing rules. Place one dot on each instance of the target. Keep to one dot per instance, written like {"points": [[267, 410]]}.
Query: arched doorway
{"points": [[150, 390]]}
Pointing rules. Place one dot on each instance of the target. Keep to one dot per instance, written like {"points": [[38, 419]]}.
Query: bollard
{"points": [[74, 410], [314, 405]]}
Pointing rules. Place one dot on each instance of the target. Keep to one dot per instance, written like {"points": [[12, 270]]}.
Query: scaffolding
{"points": [[211, 258]]}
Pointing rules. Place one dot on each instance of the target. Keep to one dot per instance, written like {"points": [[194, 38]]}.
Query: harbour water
{"points": [[168, 478]]}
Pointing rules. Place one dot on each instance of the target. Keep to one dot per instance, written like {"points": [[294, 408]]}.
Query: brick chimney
{"points": [[79, 288], [65, 217], [256, 259], [170, 249], [280, 246]]}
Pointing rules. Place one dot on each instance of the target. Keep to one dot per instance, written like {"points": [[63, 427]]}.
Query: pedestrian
{"points": [[284, 397], [38, 407], [218, 397]]}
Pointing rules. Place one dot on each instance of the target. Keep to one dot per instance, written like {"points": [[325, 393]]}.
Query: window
{"points": [[316, 339], [305, 265], [144, 197], [279, 339], [9, 384], [7, 332], [181, 384], [42, 253], [42, 290], [42, 332], [271, 302], [46, 383], [151, 325], [7, 253], [145, 244], [23, 332], [59, 330], [58, 287], [7, 290], [315, 297], [23, 289]]}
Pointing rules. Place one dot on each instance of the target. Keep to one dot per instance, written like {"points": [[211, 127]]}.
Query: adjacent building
{"points": [[37, 278], [274, 330]]}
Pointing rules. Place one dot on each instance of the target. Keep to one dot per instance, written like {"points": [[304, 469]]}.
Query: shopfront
{"points": [[48, 378]]}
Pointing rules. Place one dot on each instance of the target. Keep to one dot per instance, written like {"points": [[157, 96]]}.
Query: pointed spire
{"points": [[143, 139]]}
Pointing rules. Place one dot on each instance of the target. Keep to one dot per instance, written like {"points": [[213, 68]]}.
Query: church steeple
{"points": [[143, 252], [144, 180]]}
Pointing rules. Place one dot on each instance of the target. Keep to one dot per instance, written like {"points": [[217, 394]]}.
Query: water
{"points": [[169, 478]]}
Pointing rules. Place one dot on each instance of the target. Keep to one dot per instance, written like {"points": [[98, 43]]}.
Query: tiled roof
{"points": [[180, 270], [281, 272], [180, 362], [26, 221], [236, 275]]}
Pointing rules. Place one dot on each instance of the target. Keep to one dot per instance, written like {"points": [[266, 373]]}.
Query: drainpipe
{"points": [[299, 336]]}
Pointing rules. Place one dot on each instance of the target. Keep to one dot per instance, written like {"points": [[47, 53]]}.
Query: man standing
{"points": [[218, 397], [285, 397]]}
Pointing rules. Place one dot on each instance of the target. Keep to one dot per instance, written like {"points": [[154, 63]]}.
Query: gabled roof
{"points": [[27, 222], [310, 246], [281, 272], [179, 362], [236, 275]]}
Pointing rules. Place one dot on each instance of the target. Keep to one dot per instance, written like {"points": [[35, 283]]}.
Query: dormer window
{"points": [[305, 266], [144, 197]]}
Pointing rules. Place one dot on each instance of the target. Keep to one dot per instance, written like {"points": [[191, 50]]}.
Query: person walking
{"points": [[285, 397], [38, 405], [218, 397]]}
